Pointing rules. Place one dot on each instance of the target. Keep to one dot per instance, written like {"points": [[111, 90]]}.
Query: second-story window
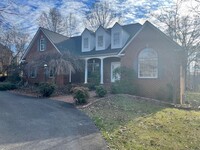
{"points": [[100, 41], [116, 39], [85, 43], [42, 44]]}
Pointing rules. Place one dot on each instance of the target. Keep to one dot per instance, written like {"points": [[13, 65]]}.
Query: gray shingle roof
{"points": [[54, 37], [131, 29], [73, 44]]}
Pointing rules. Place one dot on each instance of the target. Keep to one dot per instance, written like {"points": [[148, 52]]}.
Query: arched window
{"points": [[148, 63]]}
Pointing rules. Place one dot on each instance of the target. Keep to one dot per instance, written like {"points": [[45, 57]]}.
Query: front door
{"points": [[114, 76]]}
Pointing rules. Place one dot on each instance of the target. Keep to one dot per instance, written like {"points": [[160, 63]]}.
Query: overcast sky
{"points": [[133, 10]]}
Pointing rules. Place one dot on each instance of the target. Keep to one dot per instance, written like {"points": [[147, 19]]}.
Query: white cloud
{"points": [[132, 10]]}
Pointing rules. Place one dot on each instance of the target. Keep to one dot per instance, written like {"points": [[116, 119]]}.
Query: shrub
{"points": [[3, 78], [100, 91], [81, 95], [46, 89], [14, 78], [4, 86], [116, 88], [93, 80], [126, 84]]}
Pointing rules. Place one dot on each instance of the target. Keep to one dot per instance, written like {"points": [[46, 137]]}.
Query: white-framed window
{"points": [[85, 43], [114, 75], [100, 41], [116, 38], [33, 72], [148, 63], [42, 44]]}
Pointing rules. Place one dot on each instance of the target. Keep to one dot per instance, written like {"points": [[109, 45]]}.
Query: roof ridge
{"points": [[131, 24], [53, 32]]}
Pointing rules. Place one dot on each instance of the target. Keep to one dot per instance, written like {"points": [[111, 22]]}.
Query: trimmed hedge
{"points": [[4, 86]]}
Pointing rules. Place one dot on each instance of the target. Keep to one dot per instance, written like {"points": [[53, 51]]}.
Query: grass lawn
{"points": [[128, 123], [193, 98]]}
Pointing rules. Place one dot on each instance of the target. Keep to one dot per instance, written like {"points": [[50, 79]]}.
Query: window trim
{"points": [[86, 38], [111, 70], [98, 41], [147, 77], [116, 44], [42, 40]]}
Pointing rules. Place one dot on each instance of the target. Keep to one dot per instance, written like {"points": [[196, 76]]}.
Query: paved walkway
{"points": [[40, 124], [70, 99]]}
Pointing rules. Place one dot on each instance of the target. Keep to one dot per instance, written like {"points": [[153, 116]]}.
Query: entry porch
{"points": [[103, 66]]}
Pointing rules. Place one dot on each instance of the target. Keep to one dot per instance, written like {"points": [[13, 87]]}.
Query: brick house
{"points": [[157, 60]]}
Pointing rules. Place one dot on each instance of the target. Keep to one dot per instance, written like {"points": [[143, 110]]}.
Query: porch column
{"points": [[101, 71], [70, 75], [86, 71]]}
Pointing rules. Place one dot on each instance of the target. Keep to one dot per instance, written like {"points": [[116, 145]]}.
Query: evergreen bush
{"points": [[100, 91], [81, 95], [46, 89]]}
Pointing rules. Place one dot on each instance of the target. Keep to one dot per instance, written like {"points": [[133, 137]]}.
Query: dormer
{"points": [[88, 40], [118, 36], [102, 37]]}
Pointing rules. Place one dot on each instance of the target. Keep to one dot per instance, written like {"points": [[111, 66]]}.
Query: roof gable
{"points": [[86, 30], [31, 43], [53, 37], [101, 28], [116, 25], [147, 24]]}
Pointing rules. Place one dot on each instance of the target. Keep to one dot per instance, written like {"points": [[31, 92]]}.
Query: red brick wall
{"points": [[168, 64], [35, 53]]}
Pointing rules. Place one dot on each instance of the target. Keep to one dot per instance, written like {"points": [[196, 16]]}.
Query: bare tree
{"points": [[15, 43], [184, 29], [101, 14], [16, 40], [7, 9], [70, 25], [5, 59], [51, 20]]}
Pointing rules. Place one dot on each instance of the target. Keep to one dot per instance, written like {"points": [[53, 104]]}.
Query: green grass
{"points": [[193, 98], [127, 123]]}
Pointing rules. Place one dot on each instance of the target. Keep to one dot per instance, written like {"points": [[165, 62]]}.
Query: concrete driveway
{"points": [[42, 124]]}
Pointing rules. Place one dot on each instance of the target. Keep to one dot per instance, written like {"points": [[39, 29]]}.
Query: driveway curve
{"points": [[41, 124]]}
